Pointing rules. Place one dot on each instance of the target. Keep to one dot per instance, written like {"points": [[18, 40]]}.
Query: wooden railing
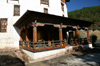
{"points": [[42, 46], [80, 41], [48, 45], [74, 42]]}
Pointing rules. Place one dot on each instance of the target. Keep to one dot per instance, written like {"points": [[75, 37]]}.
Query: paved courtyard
{"points": [[89, 57]]}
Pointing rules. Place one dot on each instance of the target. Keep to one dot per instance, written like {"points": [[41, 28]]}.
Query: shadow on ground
{"points": [[6, 60], [90, 55]]}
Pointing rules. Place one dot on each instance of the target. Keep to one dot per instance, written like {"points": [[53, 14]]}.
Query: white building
{"points": [[11, 11]]}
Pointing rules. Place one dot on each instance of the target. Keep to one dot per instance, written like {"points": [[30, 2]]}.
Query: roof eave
{"points": [[67, 0]]}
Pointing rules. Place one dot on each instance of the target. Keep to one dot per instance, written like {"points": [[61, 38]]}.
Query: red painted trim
{"points": [[41, 49], [60, 34], [77, 34], [88, 34], [34, 34]]}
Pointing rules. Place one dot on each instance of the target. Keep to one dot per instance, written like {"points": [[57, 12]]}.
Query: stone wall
{"points": [[83, 34]]}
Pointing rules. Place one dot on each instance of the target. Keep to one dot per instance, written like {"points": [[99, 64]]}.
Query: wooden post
{"points": [[21, 40], [34, 32], [44, 45], [61, 44], [88, 34], [60, 33], [26, 37], [20, 35], [53, 44], [33, 47], [26, 34], [77, 34]]}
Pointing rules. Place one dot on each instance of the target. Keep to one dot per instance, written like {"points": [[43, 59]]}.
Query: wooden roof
{"points": [[67, 0], [31, 16]]}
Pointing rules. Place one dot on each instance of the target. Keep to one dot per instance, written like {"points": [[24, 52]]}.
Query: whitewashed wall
{"points": [[11, 37]]}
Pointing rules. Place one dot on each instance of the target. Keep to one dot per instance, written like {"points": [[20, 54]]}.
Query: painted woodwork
{"points": [[88, 34], [77, 34], [60, 33], [35, 32]]}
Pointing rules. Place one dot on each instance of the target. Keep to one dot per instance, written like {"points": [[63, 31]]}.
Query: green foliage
{"points": [[88, 14], [94, 38]]}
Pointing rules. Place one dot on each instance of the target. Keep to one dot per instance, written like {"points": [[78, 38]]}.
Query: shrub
{"points": [[94, 38]]}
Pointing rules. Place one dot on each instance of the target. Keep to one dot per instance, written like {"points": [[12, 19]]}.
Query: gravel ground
{"points": [[90, 57]]}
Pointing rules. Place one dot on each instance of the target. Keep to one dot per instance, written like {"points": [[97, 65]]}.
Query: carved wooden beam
{"points": [[64, 26], [40, 24], [75, 27], [86, 28], [57, 26]]}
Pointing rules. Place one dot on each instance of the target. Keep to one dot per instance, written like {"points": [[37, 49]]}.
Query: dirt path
{"points": [[89, 57]]}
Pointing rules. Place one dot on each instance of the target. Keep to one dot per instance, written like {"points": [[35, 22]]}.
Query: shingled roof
{"points": [[31, 16]]}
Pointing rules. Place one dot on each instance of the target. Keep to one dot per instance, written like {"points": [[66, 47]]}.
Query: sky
{"points": [[79, 4]]}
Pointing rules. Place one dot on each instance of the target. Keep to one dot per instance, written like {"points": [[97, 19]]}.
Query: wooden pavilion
{"points": [[39, 31]]}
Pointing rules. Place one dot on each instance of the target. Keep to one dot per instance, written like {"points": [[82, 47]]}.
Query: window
{"points": [[12, 1], [45, 10], [62, 7], [16, 10], [3, 25], [46, 2]]}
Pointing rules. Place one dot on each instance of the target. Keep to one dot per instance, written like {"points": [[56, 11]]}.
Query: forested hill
{"points": [[88, 14]]}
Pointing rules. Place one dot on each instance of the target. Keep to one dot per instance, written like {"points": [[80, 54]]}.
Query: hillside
{"points": [[88, 14]]}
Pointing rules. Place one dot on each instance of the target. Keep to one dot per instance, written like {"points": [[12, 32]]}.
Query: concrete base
{"points": [[45, 55]]}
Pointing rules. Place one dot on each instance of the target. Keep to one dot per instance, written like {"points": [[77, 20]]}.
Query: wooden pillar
{"points": [[20, 35], [88, 34], [26, 34], [21, 38], [34, 32], [77, 34], [60, 33]]}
